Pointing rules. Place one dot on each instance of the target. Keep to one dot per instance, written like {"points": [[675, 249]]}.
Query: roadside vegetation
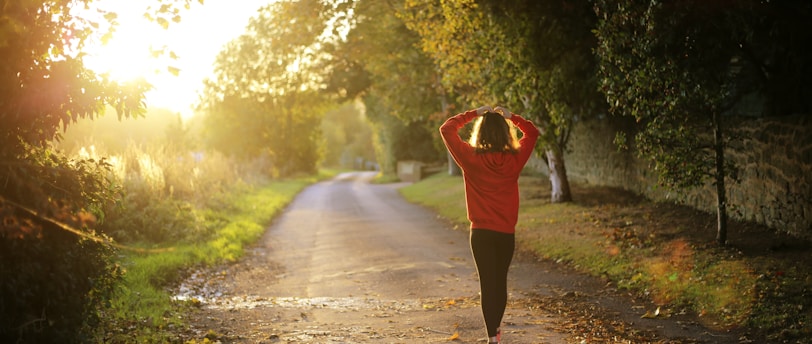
{"points": [[143, 308], [661, 252], [179, 210], [173, 207]]}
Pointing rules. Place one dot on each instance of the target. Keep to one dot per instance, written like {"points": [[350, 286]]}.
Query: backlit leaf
{"points": [[454, 336]]}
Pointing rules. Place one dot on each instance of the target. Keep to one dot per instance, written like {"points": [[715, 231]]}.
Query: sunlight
{"points": [[195, 41], [127, 56], [125, 59]]}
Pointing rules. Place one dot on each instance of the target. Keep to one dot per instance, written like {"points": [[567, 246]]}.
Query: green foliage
{"points": [[456, 35], [43, 81], [534, 57], [401, 77], [54, 288], [56, 273], [347, 136], [161, 192], [677, 68], [156, 221], [263, 101], [384, 126], [372, 57], [142, 306], [53, 280], [668, 68], [396, 140]]}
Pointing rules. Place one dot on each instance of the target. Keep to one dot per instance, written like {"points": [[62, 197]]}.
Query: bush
{"points": [[55, 274], [154, 221], [54, 287], [162, 192]]}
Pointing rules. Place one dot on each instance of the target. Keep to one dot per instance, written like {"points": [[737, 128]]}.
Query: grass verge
{"points": [[665, 253], [143, 310]]}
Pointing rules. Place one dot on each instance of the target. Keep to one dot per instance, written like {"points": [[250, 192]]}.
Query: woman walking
{"points": [[491, 162]]}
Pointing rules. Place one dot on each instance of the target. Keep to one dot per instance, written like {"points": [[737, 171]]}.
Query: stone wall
{"points": [[774, 156]]}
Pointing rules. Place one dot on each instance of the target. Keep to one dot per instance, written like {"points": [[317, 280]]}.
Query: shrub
{"points": [[53, 287], [163, 190], [55, 274]]}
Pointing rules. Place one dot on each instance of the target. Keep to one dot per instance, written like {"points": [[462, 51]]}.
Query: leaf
{"points": [[163, 22], [454, 336], [651, 315]]}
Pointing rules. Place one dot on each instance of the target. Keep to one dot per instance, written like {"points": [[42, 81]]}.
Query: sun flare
{"points": [[195, 42], [127, 55], [130, 54], [124, 60]]}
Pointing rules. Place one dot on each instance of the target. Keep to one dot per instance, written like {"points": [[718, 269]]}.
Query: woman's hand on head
{"points": [[505, 112], [483, 109]]}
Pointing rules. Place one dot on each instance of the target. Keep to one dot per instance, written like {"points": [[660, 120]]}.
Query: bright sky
{"points": [[197, 39]]}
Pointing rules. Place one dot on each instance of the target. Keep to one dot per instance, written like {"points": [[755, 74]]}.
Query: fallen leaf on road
{"points": [[454, 336], [651, 315]]}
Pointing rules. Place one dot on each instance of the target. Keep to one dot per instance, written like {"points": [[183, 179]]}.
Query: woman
{"points": [[491, 163]]}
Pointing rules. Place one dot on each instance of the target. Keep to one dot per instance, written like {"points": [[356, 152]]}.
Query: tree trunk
{"points": [[453, 168], [558, 177], [721, 194]]}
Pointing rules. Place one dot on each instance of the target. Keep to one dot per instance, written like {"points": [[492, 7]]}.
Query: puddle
{"points": [[209, 295], [338, 303]]}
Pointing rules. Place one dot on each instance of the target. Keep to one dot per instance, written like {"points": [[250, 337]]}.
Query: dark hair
{"points": [[493, 133]]}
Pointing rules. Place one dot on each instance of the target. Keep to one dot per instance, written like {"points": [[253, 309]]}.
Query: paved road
{"points": [[352, 262]]}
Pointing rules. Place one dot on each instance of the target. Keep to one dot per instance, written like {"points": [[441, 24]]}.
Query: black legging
{"points": [[492, 252]]}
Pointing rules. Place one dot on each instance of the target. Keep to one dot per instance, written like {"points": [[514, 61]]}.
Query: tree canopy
{"points": [[680, 67], [376, 61], [534, 57], [50, 202], [45, 87], [264, 100]]}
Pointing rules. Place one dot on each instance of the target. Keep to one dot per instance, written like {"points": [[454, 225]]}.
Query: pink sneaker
{"points": [[497, 338]]}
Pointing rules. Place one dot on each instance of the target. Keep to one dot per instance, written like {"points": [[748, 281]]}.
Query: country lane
{"points": [[350, 261]]}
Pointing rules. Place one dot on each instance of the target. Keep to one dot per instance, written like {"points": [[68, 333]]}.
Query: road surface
{"points": [[352, 262]]}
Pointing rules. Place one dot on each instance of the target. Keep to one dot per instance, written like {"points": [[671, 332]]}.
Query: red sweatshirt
{"points": [[491, 179]]}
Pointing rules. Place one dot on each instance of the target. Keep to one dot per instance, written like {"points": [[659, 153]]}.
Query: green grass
{"points": [[143, 305], [443, 193], [726, 288]]}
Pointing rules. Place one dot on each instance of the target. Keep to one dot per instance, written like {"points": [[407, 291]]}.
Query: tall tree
{"points": [[263, 100], [680, 67], [377, 60], [535, 57]]}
